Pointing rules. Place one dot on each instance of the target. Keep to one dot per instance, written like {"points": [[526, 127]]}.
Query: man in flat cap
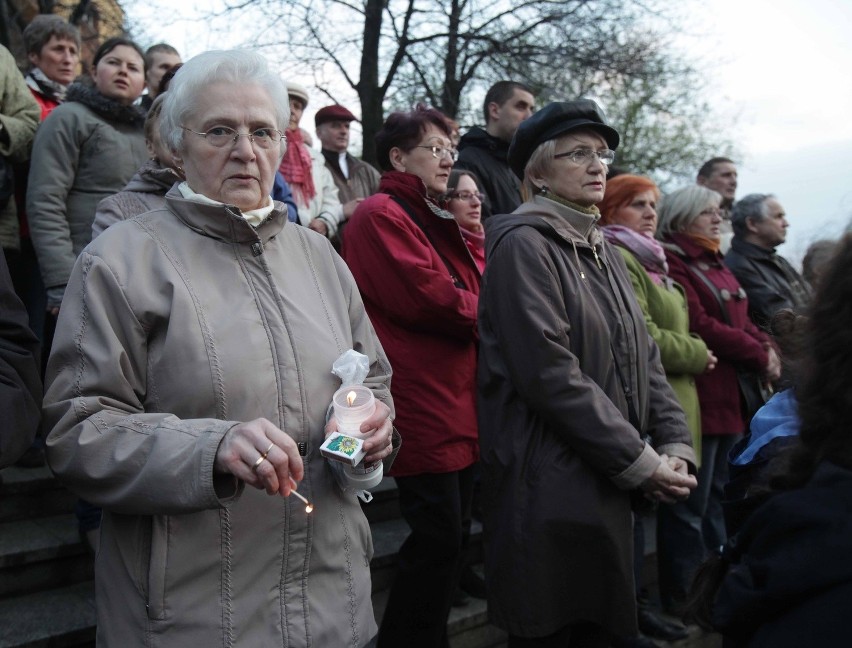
{"points": [[314, 191], [355, 179]]}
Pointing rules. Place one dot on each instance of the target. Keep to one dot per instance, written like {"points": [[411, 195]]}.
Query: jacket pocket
{"points": [[157, 565]]}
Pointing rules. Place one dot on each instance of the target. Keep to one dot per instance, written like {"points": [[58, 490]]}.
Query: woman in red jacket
{"points": [[689, 221], [420, 287]]}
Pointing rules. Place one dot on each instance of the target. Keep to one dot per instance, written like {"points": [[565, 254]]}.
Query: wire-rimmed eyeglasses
{"points": [[584, 156], [221, 136], [440, 152]]}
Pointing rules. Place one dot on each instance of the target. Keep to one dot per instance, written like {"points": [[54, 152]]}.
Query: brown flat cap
{"points": [[333, 113]]}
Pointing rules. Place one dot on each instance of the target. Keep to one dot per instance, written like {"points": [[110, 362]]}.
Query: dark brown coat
{"points": [[558, 452]]}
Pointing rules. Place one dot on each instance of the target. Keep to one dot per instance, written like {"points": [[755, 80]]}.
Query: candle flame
{"points": [[350, 398], [309, 508]]}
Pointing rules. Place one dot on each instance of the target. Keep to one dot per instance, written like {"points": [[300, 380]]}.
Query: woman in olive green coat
{"points": [[628, 213]]}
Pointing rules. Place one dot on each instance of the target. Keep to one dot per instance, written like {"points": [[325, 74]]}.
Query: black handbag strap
{"points": [[457, 282], [714, 290]]}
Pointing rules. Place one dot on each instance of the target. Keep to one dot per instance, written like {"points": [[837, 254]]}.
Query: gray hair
{"points": [[44, 27], [751, 207], [677, 210], [238, 67]]}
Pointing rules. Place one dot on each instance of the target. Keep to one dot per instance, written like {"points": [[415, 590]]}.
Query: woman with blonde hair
{"points": [[574, 408]]}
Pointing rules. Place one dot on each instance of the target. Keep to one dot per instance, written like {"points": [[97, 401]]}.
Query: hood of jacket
{"points": [[152, 177], [779, 417], [107, 108], [479, 138], [553, 219]]}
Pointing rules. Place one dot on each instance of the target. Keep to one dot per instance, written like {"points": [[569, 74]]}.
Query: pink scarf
{"points": [[296, 169], [646, 250]]}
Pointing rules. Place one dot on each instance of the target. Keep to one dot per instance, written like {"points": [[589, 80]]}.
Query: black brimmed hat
{"points": [[552, 121]]}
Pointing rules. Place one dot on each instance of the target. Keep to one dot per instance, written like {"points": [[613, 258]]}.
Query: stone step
{"points": [[63, 616], [41, 553], [30, 493]]}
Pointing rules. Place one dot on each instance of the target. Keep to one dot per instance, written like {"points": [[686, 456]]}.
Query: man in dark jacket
{"points": [[484, 151], [769, 280], [20, 385]]}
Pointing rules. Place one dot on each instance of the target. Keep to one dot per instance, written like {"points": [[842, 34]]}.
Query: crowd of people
{"points": [[554, 345]]}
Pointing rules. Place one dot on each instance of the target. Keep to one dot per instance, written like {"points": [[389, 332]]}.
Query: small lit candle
{"points": [[350, 398]]}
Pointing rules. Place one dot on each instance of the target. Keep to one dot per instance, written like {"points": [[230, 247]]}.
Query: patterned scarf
{"points": [[646, 250], [711, 245], [296, 169], [38, 81]]}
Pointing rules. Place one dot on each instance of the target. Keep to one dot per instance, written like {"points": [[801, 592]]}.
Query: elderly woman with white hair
{"points": [[575, 412], [192, 358]]}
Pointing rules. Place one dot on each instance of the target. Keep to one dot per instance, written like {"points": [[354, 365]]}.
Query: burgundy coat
{"points": [[739, 345], [426, 324]]}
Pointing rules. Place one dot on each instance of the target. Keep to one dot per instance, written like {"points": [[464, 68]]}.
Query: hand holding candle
{"points": [[376, 432]]}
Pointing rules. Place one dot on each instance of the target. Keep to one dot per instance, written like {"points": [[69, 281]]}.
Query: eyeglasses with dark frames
{"points": [[467, 196]]}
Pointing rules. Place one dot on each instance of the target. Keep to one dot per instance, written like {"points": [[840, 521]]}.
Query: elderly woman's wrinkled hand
{"points": [[669, 483], [262, 455], [379, 427]]}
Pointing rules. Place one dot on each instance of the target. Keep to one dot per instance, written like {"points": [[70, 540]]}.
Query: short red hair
{"points": [[621, 190]]}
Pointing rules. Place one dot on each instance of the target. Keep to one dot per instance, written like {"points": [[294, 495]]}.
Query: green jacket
{"points": [[682, 353], [19, 115]]}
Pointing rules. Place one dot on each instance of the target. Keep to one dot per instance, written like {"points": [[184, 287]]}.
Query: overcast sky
{"points": [[781, 66]]}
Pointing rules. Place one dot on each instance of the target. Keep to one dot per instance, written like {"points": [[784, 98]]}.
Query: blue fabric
{"points": [[778, 418], [281, 192]]}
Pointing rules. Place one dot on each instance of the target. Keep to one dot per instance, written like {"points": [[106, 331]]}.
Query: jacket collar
{"points": [[683, 245], [478, 137], [225, 222], [751, 250], [570, 224]]}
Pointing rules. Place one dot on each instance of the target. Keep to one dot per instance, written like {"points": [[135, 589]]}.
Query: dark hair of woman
{"points": [[167, 78], [111, 44], [825, 392], [453, 181], [404, 130]]}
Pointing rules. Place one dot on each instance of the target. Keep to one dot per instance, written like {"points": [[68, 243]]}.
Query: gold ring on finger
{"points": [[259, 461], [266, 452]]}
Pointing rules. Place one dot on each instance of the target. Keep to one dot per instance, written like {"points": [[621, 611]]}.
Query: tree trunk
{"points": [[371, 95]]}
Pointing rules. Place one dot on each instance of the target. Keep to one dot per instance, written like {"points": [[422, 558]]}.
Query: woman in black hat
{"points": [[574, 408]]}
